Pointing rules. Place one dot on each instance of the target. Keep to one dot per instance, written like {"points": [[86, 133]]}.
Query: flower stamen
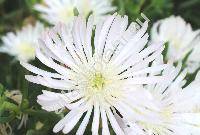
{"points": [[98, 81]]}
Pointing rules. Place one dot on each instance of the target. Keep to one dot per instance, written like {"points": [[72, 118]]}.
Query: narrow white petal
{"points": [[105, 129], [50, 63], [131, 43], [51, 101], [145, 80], [52, 83], [84, 123], [38, 71], [71, 123], [90, 25], [71, 115], [95, 122], [114, 123], [103, 34], [156, 69]]}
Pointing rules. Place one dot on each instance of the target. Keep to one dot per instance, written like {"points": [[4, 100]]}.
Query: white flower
{"points": [[22, 43], [179, 35], [177, 107], [54, 11], [193, 61], [105, 79]]}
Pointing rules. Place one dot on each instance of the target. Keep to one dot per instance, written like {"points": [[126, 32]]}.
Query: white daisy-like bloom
{"points": [[103, 76], [179, 35], [21, 44], [177, 110], [54, 11]]}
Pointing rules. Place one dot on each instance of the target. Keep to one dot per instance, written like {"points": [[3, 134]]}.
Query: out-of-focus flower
{"points": [[54, 11], [22, 43], [178, 113], [106, 80], [179, 35], [193, 61], [39, 125]]}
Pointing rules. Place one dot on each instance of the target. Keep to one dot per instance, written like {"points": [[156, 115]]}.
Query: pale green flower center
{"points": [[26, 48], [26, 51], [98, 81], [66, 13], [174, 41], [86, 8], [167, 113], [177, 44]]}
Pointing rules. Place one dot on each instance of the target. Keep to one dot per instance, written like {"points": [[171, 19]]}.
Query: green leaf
{"points": [[7, 106], [164, 53], [121, 7], [31, 3], [76, 13], [24, 104], [2, 90]]}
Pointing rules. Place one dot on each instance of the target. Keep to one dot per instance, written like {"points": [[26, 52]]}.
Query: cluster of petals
{"points": [[21, 44], [183, 42], [115, 77], [54, 11]]}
